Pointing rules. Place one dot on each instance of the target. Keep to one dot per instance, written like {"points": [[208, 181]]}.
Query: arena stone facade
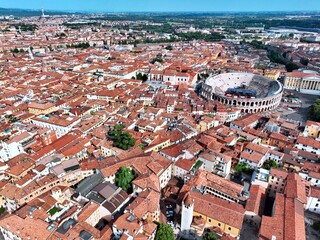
{"points": [[268, 92]]}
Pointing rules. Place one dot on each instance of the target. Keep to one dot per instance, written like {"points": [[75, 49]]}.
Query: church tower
{"points": [[187, 213]]}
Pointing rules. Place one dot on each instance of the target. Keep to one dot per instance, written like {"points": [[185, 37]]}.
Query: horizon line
{"points": [[164, 11]]}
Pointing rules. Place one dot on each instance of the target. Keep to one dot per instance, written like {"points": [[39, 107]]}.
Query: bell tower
{"points": [[187, 213]]}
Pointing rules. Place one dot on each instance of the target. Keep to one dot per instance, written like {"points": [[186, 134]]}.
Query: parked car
{"points": [[169, 212], [170, 218], [171, 224]]}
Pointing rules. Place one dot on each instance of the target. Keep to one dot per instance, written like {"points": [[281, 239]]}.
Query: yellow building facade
{"points": [[272, 74], [39, 108], [312, 129], [230, 230], [204, 211]]}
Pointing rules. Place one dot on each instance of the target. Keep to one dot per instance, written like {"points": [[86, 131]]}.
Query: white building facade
{"points": [[8, 151], [313, 203]]}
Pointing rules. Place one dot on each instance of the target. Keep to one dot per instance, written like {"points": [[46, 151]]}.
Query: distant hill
{"points": [[29, 13]]}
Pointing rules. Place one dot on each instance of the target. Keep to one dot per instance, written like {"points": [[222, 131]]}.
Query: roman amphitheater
{"points": [[249, 92]]}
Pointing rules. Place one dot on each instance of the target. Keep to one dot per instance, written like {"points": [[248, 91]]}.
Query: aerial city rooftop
{"points": [[159, 126]]}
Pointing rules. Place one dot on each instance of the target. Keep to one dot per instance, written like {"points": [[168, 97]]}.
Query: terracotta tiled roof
{"points": [[185, 164], [256, 202], [146, 202], [295, 188], [308, 142], [219, 209], [287, 221], [279, 173], [28, 228]]}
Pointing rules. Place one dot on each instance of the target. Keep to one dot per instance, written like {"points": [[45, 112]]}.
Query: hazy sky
{"points": [[165, 5]]}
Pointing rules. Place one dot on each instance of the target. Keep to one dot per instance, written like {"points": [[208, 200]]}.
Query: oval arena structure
{"points": [[249, 92]]}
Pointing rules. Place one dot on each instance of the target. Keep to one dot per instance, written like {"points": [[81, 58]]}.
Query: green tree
{"points": [[79, 45], [210, 236], [2, 210], [61, 35], [270, 164], [240, 167], [203, 76], [275, 57], [124, 178], [304, 61], [157, 59], [16, 50], [142, 77], [120, 138], [164, 232], [314, 111], [243, 167], [257, 44], [139, 76], [316, 226], [13, 119], [291, 66], [212, 37]]}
